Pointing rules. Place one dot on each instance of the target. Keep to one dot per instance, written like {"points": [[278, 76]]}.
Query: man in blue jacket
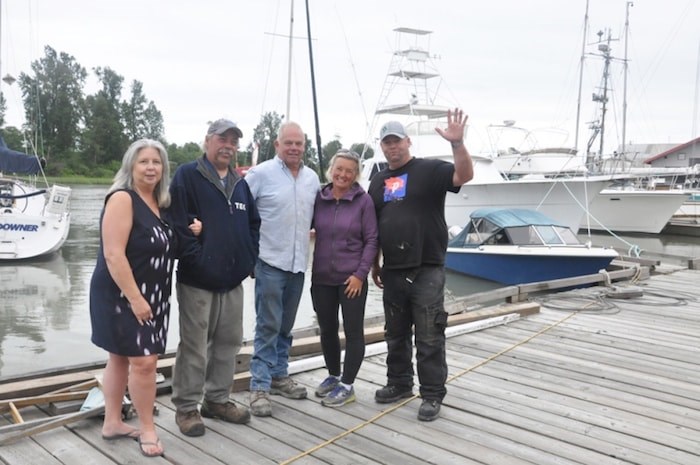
{"points": [[209, 275]]}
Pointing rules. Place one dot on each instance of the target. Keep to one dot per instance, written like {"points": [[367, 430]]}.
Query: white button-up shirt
{"points": [[286, 207]]}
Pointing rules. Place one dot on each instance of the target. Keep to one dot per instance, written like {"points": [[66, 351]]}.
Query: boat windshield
{"points": [[541, 235]]}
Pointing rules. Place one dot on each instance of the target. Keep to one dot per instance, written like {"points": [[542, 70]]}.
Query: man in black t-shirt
{"points": [[409, 197]]}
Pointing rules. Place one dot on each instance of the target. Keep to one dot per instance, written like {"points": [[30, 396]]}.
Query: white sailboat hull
{"points": [[32, 223]]}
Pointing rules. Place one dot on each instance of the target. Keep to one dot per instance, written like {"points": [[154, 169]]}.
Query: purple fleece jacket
{"points": [[346, 236]]}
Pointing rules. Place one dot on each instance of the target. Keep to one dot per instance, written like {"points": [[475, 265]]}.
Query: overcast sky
{"points": [[499, 60]]}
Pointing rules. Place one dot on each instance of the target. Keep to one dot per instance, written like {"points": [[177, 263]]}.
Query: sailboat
{"points": [[34, 221], [413, 72]]}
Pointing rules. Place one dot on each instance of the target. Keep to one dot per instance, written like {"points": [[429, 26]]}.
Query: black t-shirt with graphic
{"points": [[410, 205]]}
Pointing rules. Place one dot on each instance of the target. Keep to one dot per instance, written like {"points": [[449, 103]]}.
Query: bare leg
{"points": [[142, 389], [113, 388]]}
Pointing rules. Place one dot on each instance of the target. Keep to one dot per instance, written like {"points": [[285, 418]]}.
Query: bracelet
{"points": [[457, 144]]}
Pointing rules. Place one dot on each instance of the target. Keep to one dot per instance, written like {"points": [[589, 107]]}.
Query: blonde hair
{"points": [[124, 179], [348, 155]]}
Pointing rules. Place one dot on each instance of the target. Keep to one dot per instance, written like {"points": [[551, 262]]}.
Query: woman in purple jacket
{"points": [[346, 245]]}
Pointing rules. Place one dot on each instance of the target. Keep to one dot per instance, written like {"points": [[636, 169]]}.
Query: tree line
{"points": [[87, 135]]}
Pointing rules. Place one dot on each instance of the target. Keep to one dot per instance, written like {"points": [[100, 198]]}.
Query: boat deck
{"points": [[587, 380]]}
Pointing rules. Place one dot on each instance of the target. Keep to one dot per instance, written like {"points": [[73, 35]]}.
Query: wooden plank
{"points": [[16, 417], [54, 423], [529, 415], [576, 281], [41, 399], [266, 447], [552, 453]]}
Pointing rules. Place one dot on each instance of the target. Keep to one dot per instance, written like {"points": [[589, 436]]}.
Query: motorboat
{"points": [[34, 221], [517, 246], [631, 203]]}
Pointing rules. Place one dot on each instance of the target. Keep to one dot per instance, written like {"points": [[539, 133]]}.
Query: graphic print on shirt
{"points": [[395, 188]]}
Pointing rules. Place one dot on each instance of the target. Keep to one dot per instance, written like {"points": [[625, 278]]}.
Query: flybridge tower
{"points": [[412, 81]]}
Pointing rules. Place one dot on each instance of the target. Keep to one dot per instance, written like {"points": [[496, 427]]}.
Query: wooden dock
{"points": [[593, 378]]}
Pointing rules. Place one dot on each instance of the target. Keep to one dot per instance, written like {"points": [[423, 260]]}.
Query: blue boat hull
{"points": [[520, 269]]}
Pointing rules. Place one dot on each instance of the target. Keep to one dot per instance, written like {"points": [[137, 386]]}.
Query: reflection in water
{"points": [[31, 294]]}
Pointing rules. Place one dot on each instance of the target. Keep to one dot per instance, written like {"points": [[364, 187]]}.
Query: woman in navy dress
{"points": [[130, 289]]}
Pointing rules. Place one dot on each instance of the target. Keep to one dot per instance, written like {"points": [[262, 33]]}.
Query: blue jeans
{"points": [[414, 300], [277, 296]]}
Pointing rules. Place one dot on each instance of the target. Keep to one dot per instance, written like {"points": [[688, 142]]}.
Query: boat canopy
{"points": [[12, 161], [510, 217], [512, 226]]}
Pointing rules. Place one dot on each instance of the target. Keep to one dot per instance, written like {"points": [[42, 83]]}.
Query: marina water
{"points": [[44, 304]]}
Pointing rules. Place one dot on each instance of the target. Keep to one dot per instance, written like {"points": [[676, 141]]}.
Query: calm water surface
{"points": [[44, 317]]}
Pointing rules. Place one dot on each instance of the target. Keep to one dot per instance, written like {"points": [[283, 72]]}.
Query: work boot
{"points": [[260, 404], [227, 411], [288, 388], [190, 423], [391, 393], [429, 410]]}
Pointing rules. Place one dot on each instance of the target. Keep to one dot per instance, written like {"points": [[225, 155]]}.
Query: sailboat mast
{"points": [[313, 91], [624, 88], [580, 76], [697, 93], [289, 66]]}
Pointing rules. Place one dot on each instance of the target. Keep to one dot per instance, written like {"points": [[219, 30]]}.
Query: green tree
{"points": [[104, 137], [264, 136], [329, 150], [153, 122], [360, 148], [311, 157], [53, 101], [3, 109], [141, 116], [14, 138], [180, 155]]}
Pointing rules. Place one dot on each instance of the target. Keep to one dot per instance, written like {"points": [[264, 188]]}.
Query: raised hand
{"points": [[456, 122]]}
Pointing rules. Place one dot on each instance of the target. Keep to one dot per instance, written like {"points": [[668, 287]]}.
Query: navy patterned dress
{"points": [[151, 253]]}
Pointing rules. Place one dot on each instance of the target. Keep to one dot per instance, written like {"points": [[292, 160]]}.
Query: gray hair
{"points": [[124, 178], [348, 155], [289, 125]]}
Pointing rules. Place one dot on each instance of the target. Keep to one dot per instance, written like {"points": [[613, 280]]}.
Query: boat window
{"points": [[500, 238], [567, 236], [485, 227], [524, 235], [549, 235]]}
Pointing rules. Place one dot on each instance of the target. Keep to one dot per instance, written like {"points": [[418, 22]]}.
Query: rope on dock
{"points": [[389, 410]]}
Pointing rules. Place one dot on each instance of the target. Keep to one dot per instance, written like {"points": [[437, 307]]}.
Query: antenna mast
{"points": [[624, 87]]}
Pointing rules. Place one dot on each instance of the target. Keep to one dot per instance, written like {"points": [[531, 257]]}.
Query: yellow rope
{"points": [[350, 431], [409, 399]]}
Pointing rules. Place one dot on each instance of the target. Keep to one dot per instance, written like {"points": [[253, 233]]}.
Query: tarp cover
{"points": [[15, 162]]}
